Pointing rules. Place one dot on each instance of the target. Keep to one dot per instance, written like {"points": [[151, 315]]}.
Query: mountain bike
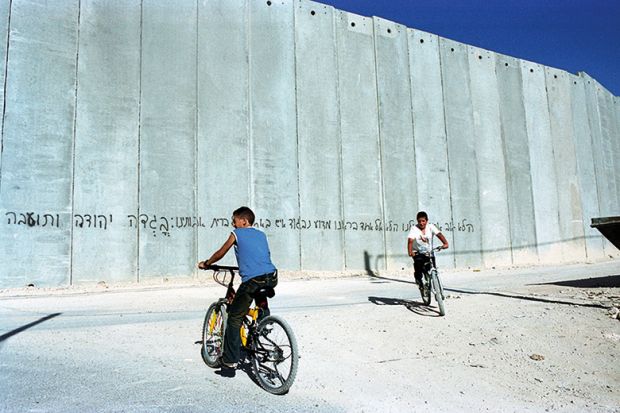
{"points": [[431, 284], [268, 342]]}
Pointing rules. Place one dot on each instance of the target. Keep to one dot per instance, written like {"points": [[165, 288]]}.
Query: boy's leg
{"points": [[236, 311], [418, 268]]}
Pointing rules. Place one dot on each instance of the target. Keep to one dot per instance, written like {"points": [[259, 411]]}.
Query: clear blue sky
{"points": [[573, 35]]}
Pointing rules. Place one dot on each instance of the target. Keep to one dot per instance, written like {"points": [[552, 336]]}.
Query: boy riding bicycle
{"points": [[420, 242], [256, 270]]}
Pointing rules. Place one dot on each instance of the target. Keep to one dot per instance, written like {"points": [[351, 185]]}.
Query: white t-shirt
{"points": [[423, 240]]}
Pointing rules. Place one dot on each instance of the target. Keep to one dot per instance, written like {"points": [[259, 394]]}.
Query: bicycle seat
{"points": [[264, 292]]}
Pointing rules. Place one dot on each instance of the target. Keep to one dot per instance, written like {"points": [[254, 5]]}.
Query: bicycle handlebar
{"points": [[214, 267]]}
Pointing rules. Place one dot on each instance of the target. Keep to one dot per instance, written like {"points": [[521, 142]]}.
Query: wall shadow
{"points": [[526, 298], [27, 326], [609, 281]]}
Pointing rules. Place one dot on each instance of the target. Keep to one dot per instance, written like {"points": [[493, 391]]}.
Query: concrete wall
{"points": [[132, 129]]}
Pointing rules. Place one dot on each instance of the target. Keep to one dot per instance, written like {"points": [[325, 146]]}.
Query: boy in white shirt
{"points": [[420, 241]]}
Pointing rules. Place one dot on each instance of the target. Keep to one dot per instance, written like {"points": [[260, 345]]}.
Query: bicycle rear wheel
{"points": [[213, 330], [438, 289], [275, 356]]}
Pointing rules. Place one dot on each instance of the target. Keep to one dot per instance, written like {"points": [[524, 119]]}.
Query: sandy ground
{"points": [[520, 340]]}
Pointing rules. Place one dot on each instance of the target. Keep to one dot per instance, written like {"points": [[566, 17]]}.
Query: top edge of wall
{"points": [[500, 56]]}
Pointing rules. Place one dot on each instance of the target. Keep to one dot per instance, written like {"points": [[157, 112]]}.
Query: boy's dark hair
{"points": [[421, 214], [244, 213]]}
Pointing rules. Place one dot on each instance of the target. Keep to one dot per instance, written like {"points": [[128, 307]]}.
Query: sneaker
{"points": [[227, 370]]}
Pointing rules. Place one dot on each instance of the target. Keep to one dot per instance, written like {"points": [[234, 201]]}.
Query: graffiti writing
{"points": [[163, 225], [92, 221], [460, 226], [376, 225], [32, 219]]}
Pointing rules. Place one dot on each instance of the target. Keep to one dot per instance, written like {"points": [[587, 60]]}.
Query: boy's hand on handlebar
{"points": [[202, 265]]}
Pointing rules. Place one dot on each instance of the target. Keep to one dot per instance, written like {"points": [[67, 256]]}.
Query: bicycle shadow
{"points": [[415, 307]]}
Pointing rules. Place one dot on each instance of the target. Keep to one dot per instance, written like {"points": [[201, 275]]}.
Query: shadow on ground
{"points": [[413, 306], [610, 281]]}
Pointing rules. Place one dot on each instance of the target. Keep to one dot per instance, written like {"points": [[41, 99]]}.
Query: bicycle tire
{"points": [[438, 289], [425, 289], [275, 356], [213, 329]]}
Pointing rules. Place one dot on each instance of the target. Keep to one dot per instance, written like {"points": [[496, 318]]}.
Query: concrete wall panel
{"points": [[494, 216], [465, 222], [605, 186], [609, 156], [585, 169], [431, 152], [223, 121], [542, 169], [35, 192], [362, 191], [517, 162], [105, 209], [274, 176], [318, 124], [569, 198], [396, 138], [167, 138]]}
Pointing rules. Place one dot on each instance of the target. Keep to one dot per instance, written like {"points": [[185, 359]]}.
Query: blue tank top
{"points": [[252, 251]]}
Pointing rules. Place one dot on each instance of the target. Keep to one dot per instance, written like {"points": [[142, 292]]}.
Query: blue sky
{"points": [[573, 35]]}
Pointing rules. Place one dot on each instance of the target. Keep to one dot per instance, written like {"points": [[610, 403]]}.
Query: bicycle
{"points": [[268, 342], [431, 284]]}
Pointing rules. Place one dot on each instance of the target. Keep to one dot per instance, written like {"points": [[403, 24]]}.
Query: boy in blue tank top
{"points": [[256, 270]]}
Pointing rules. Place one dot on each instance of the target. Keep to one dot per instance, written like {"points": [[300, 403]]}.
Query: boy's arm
{"points": [[410, 247], [219, 254], [443, 239]]}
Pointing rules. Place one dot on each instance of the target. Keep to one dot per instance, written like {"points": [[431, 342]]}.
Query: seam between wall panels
{"points": [[506, 166], [343, 237], [415, 167], [196, 115], [379, 141], [73, 146], [139, 139], [445, 130], [250, 119], [6, 72], [297, 128], [529, 160]]}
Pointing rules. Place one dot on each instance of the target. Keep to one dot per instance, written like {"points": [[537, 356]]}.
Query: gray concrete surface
{"points": [[131, 130], [366, 344]]}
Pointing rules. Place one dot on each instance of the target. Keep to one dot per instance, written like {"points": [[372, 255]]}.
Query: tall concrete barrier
{"points": [[542, 169], [585, 169], [492, 192], [131, 130], [429, 130], [318, 126], [398, 168], [223, 169], [517, 162], [274, 188], [465, 222], [37, 144], [570, 215], [105, 181], [167, 139], [359, 126]]}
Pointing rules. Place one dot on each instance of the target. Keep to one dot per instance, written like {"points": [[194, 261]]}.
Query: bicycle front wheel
{"points": [[213, 330], [425, 289], [438, 289], [275, 356]]}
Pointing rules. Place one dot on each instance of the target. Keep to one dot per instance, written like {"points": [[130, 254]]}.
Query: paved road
{"points": [[137, 350]]}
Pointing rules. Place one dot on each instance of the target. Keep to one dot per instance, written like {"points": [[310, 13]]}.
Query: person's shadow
{"points": [[413, 306]]}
